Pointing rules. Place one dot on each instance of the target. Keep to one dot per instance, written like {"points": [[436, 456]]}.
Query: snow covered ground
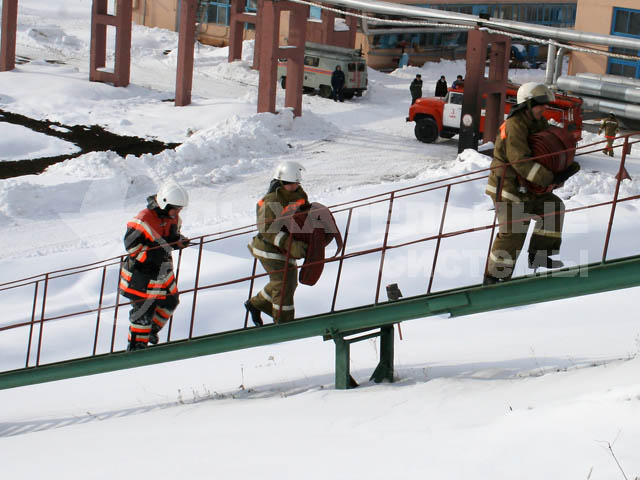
{"points": [[547, 391]]}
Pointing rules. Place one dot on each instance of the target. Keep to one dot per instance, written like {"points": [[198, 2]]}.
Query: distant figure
{"points": [[416, 88], [147, 277], [404, 60], [458, 82], [611, 129], [441, 87], [337, 83]]}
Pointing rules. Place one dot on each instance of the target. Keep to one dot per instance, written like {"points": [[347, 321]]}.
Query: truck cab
{"points": [[319, 63], [440, 117]]}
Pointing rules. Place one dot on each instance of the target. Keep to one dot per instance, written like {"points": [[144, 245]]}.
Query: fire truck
{"points": [[440, 116]]}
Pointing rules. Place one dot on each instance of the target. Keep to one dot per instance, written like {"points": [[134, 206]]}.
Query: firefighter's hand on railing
{"points": [[563, 176], [298, 249], [184, 242]]}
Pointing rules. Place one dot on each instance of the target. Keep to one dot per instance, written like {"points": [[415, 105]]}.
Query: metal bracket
{"points": [[384, 369]]}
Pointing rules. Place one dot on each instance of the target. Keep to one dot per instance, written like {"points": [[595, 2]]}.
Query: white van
{"points": [[319, 63]]}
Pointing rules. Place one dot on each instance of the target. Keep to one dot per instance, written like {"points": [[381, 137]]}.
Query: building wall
{"points": [[156, 13], [595, 16]]}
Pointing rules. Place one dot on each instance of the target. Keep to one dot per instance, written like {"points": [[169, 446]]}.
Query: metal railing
{"points": [[41, 310]]}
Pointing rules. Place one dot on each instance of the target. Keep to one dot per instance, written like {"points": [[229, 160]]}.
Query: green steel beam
{"points": [[556, 285]]}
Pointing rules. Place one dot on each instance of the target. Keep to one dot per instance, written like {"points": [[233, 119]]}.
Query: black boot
{"points": [[537, 261], [491, 280], [255, 313], [135, 345], [153, 336]]}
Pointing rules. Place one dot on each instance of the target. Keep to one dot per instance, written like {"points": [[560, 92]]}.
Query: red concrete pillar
{"points": [[476, 86], [295, 57], [495, 85], [237, 19], [8, 41], [122, 23], [186, 43], [269, 30], [256, 45], [328, 26]]}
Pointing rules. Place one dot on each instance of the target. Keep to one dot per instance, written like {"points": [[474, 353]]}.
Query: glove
{"points": [[298, 249], [184, 242], [563, 176]]}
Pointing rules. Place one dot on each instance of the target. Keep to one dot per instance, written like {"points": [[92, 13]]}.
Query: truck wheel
{"points": [[426, 130], [325, 91], [447, 134], [347, 95], [283, 82]]}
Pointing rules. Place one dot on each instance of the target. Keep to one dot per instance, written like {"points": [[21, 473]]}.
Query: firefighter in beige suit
{"points": [[274, 247], [515, 204]]}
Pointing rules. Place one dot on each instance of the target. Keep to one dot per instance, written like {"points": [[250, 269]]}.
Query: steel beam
{"points": [[555, 285]]}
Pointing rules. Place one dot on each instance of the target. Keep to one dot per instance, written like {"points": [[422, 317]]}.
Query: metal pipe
{"points": [[557, 71], [552, 33], [598, 88], [611, 78], [602, 105], [551, 55]]}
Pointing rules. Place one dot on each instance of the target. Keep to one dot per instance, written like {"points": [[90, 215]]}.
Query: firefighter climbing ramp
{"points": [[72, 322]]}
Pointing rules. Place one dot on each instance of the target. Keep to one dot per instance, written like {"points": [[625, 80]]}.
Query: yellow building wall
{"points": [[594, 16]]}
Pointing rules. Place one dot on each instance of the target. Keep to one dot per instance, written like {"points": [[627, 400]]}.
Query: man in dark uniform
{"points": [[147, 277], [273, 245], [416, 88], [441, 87], [514, 203], [337, 83]]}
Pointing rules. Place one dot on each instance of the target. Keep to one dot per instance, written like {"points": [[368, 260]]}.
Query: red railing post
{"points": [[251, 282], [384, 245], [95, 340], [435, 256], [44, 303], [33, 319], [195, 287], [116, 306], [344, 249], [619, 178]]}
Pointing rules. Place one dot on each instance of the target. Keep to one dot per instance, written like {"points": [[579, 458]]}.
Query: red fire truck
{"points": [[440, 116]]}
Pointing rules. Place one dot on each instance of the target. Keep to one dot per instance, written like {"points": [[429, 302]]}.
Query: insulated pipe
{"points": [[603, 105], [562, 51], [552, 33], [551, 55], [611, 78], [597, 88]]}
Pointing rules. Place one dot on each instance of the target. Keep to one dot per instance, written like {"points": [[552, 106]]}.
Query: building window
{"points": [[218, 12], [626, 23], [315, 13]]}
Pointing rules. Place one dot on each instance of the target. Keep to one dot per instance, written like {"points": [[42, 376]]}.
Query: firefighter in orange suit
{"points": [[611, 129], [272, 245], [147, 277], [515, 204]]}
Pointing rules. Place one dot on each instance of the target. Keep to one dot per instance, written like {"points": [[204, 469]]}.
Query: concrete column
{"points": [[122, 22], [269, 29], [295, 57], [8, 41], [186, 43]]}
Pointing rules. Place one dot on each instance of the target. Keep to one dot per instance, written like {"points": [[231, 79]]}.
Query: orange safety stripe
{"points": [[140, 228], [139, 329], [162, 285], [260, 202], [294, 205], [162, 313], [503, 131], [125, 288]]}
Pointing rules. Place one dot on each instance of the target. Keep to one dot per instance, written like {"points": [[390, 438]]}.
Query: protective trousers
{"points": [[269, 298], [546, 210], [150, 316], [609, 148]]}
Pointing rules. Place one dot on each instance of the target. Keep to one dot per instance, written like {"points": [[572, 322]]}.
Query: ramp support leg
{"points": [[384, 370]]}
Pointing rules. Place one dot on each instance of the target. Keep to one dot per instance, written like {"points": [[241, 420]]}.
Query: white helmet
{"points": [[289, 172], [538, 92], [172, 194]]}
